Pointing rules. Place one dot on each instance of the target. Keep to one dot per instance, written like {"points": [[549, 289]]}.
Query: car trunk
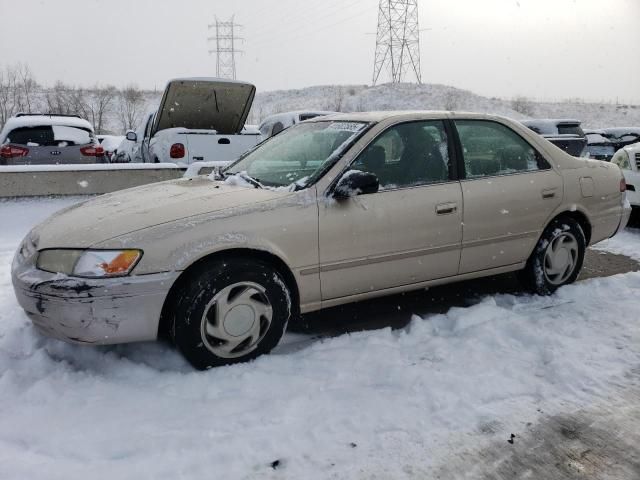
{"points": [[55, 144], [205, 104]]}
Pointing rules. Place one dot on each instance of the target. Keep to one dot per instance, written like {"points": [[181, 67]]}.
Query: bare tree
{"points": [[131, 104], [17, 91], [337, 102], [523, 105], [451, 100], [27, 85], [58, 99], [100, 103]]}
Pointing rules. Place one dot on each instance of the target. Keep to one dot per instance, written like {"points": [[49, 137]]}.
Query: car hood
{"points": [[205, 104], [126, 211]]}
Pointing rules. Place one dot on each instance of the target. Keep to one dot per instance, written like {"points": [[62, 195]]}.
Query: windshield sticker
{"points": [[346, 126]]}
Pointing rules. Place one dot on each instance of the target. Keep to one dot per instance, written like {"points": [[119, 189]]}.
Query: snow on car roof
{"points": [[378, 116], [39, 120]]}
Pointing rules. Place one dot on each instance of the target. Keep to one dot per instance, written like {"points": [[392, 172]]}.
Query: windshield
{"points": [[298, 154]]}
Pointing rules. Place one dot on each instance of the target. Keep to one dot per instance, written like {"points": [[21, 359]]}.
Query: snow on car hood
{"points": [[109, 216]]}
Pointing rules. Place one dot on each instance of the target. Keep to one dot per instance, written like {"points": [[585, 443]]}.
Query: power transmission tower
{"points": [[225, 40], [397, 40]]}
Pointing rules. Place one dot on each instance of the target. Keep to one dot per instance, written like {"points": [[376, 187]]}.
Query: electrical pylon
{"points": [[225, 47], [397, 40]]}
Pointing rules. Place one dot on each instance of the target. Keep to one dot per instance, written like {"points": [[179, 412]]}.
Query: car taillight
{"points": [[11, 151], [623, 185], [92, 151], [177, 150]]}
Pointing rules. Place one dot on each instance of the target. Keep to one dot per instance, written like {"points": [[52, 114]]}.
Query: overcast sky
{"points": [[546, 49]]}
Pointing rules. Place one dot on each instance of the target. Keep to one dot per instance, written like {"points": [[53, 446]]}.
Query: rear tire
{"points": [[557, 258], [230, 311]]}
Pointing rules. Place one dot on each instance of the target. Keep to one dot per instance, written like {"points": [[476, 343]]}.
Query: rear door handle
{"points": [[549, 193], [446, 208]]}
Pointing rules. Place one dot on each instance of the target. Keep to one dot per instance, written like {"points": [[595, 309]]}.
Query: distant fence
{"points": [[44, 180]]}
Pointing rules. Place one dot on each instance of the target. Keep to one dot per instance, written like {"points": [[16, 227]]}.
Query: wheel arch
{"points": [[251, 253], [579, 217]]}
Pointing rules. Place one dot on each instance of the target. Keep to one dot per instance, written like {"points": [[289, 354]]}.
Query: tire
{"points": [[230, 311], [547, 271]]}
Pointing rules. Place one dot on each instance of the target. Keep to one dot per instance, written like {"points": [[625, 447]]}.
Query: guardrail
{"points": [[94, 179]]}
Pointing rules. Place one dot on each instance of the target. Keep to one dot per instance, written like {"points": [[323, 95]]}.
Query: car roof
{"points": [[40, 120], [379, 116]]}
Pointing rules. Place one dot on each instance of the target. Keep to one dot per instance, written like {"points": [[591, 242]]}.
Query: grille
{"points": [[638, 160]]}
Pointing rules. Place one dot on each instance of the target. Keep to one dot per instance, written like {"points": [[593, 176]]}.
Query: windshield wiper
{"points": [[253, 181], [243, 175]]}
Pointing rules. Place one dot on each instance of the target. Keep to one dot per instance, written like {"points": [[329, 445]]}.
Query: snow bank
{"points": [[624, 243], [379, 404]]}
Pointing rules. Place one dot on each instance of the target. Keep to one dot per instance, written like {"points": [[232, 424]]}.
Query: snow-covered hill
{"points": [[351, 98]]}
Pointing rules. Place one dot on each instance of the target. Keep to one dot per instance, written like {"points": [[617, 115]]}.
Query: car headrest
{"points": [[374, 158]]}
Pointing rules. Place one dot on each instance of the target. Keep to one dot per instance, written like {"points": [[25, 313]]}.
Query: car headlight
{"points": [[89, 263]]}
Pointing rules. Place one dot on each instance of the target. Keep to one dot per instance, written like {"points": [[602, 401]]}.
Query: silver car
{"points": [[35, 139], [338, 209]]}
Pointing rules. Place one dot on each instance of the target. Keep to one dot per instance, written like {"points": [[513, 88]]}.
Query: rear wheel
{"points": [[230, 311], [557, 258]]}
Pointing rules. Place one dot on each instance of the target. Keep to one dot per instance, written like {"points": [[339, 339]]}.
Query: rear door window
{"points": [[491, 149]]}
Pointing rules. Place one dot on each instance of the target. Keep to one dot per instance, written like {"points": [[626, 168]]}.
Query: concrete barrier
{"points": [[44, 180]]}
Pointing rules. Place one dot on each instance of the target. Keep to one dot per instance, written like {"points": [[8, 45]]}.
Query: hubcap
{"points": [[236, 320], [561, 258]]}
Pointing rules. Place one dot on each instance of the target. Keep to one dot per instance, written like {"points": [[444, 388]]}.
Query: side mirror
{"points": [[132, 136], [356, 182]]}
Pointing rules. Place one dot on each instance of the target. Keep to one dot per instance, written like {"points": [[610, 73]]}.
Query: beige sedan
{"points": [[331, 211]]}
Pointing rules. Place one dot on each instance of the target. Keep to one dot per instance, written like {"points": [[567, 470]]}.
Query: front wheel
{"points": [[557, 258], [230, 311]]}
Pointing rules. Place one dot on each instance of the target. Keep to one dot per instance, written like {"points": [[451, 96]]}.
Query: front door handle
{"points": [[446, 208], [549, 193]]}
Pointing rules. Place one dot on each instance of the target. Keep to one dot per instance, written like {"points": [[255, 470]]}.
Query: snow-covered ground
{"points": [[379, 404]]}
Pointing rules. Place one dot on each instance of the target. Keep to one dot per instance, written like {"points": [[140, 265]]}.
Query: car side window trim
{"points": [[453, 164], [462, 169]]}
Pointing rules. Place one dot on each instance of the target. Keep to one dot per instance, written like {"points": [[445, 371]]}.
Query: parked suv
{"points": [[563, 133], [36, 139]]}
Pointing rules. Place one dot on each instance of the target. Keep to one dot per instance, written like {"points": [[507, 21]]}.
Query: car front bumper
{"points": [[91, 311]]}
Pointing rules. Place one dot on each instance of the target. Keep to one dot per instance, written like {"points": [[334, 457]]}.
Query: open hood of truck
{"points": [[205, 104]]}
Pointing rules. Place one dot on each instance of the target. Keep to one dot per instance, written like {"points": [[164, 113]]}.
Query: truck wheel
{"points": [[557, 258], [230, 311]]}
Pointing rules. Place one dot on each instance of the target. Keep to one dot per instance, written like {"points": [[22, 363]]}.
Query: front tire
{"points": [[557, 258], [230, 311]]}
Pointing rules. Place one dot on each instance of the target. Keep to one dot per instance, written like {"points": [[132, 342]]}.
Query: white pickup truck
{"points": [[199, 120]]}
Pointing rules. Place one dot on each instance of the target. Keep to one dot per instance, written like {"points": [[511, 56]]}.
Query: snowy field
{"points": [[373, 405]]}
